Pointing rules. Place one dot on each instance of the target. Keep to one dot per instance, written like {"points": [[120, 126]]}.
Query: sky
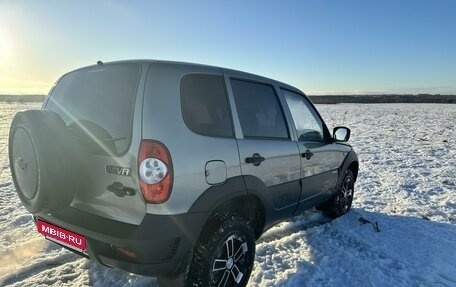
{"points": [[319, 46]]}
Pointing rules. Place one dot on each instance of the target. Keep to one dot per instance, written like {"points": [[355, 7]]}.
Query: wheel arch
{"points": [[354, 167], [232, 197], [249, 207], [351, 162]]}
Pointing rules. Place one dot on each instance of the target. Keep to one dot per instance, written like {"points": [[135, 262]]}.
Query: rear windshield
{"points": [[97, 106]]}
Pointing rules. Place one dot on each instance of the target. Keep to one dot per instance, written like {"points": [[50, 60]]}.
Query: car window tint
{"points": [[205, 105], [259, 112], [97, 105], [307, 123]]}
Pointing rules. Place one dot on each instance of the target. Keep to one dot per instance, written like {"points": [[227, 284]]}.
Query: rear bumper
{"points": [[159, 246]]}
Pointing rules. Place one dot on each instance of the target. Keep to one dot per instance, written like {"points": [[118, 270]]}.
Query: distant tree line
{"points": [[21, 98], [420, 98]]}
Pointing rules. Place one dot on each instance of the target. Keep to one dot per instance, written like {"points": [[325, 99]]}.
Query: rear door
{"points": [[267, 154], [97, 104], [320, 157]]}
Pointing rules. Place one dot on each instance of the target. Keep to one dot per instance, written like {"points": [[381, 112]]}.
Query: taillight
{"points": [[155, 171]]}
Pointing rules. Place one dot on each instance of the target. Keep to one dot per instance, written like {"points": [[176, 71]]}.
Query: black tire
{"points": [[41, 167], [342, 201], [223, 256]]}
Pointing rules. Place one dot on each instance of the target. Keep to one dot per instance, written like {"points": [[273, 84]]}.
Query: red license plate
{"points": [[62, 236]]}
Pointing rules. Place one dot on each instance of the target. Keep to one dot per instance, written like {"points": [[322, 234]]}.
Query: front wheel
{"points": [[224, 254], [342, 201]]}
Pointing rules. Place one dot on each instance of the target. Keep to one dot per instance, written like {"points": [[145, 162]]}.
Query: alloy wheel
{"points": [[231, 262]]}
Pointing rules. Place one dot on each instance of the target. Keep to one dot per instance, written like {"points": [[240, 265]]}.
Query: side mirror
{"points": [[341, 134]]}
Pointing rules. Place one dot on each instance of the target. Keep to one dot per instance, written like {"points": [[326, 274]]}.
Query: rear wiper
{"points": [[108, 140]]}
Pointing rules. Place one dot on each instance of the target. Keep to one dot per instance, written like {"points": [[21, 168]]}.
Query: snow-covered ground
{"points": [[401, 231]]}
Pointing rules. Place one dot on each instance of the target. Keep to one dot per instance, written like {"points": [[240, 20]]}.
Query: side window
{"points": [[259, 111], [205, 106], [307, 122]]}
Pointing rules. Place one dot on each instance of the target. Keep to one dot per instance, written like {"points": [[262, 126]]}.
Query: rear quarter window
{"points": [[205, 107]]}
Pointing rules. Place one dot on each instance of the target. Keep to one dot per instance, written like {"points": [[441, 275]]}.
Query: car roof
{"points": [[237, 73]]}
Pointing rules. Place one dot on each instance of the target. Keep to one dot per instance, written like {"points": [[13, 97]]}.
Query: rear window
{"points": [[97, 105]]}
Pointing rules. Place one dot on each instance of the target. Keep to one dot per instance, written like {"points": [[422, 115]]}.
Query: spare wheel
{"points": [[40, 150]]}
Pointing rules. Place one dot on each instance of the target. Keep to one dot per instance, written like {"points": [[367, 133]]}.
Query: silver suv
{"points": [[174, 169]]}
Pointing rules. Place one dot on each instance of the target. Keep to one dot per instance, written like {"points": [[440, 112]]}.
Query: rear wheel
{"points": [[223, 256], [342, 201]]}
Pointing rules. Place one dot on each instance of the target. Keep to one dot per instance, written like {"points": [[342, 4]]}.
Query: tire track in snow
{"points": [[308, 219], [43, 265], [20, 253]]}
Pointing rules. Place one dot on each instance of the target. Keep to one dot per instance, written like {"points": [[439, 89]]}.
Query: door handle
{"points": [[307, 154], [256, 159], [120, 190]]}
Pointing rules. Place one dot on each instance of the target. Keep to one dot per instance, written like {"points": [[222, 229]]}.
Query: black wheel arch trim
{"points": [[349, 160], [217, 194], [239, 186]]}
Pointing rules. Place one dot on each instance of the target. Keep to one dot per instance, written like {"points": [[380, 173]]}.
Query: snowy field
{"points": [[401, 231]]}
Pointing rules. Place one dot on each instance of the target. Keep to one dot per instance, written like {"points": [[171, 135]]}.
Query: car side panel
{"points": [[256, 187], [190, 152], [321, 168], [280, 168]]}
